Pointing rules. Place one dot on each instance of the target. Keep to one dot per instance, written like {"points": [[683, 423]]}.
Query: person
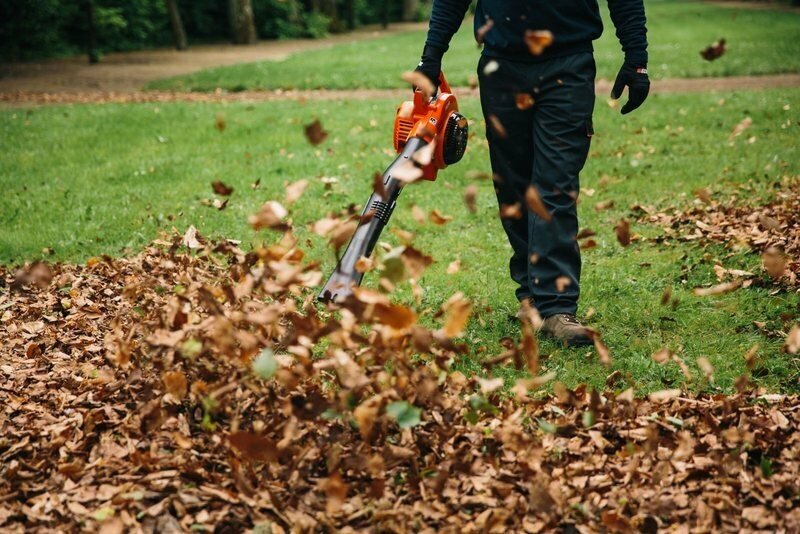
{"points": [[538, 102]]}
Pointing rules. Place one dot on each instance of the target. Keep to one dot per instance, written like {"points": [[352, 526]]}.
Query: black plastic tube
{"points": [[339, 286]]}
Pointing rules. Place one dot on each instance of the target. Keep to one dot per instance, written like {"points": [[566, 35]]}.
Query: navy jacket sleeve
{"points": [[629, 19], [446, 18]]}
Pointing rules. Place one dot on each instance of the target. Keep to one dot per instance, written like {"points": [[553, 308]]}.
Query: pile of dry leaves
{"points": [[771, 229], [199, 387]]}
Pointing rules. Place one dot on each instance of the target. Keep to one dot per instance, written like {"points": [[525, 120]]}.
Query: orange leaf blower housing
{"points": [[435, 121], [430, 134]]}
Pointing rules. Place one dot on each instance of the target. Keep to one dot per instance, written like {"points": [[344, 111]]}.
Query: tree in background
{"points": [[178, 31], [242, 21]]}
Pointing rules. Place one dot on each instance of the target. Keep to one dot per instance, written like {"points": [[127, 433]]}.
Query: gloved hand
{"points": [[431, 63], [638, 86]]}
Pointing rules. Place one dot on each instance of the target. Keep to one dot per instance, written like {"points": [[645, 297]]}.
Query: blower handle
{"points": [[443, 85]]}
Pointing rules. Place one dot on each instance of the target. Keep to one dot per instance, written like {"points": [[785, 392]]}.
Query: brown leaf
{"points": [[511, 211], [315, 133], [538, 40], [421, 82], [219, 122], [719, 289], [604, 205], [497, 126], [562, 283], [454, 266], [713, 51], [457, 310], [524, 101], [175, 384], [535, 204], [481, 32], [254, 447], [792, 343], [271, 215], [774, 262], [221, 189], [623, 231], [295, 190], [438, 219], [743, 125], [470, 195], [336, 491], [664, 395]]}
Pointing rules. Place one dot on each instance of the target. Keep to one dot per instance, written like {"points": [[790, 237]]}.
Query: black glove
{"points": [[431, 63], [638, 86]]}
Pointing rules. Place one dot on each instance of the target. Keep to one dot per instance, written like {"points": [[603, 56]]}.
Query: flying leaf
{"points": [[623, 231], [438, 219], [497, 126], [295, 190], [457, 310], [470, 195], [406, 414], [535, 204], [219, 122], [271, 215], [315, 133], [524, 101], [538, 40], [481, 32], [421, 82], [265, 365]]}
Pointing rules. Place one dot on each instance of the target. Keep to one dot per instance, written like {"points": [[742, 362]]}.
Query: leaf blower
{"points": [[429, 135]]}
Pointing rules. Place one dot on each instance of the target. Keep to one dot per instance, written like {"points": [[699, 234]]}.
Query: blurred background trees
{"points": [[31, 29]]}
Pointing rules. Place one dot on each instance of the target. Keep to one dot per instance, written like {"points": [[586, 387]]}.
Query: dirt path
{"points": [[130, 71], [677, 85]]}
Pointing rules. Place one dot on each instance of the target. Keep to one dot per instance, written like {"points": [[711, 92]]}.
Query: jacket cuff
{"points": [[434, 51], [637, 58]]}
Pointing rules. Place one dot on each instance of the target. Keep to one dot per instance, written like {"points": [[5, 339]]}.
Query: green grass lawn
{"points": [[87, 180], [759, 42]]}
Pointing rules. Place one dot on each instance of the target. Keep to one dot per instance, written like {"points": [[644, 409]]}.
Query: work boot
{"points": [[566, 328]]}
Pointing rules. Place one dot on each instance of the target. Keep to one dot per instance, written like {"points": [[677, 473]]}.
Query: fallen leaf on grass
{"points": [[192, 239], [713, 51], [719, 289], [743, 125], [221, 189]]}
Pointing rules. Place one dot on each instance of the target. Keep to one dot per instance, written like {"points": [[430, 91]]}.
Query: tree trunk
{"points": [[243, 26], [91, 34], [178, 31], [410, 8], [350, 14], [385, 13]]}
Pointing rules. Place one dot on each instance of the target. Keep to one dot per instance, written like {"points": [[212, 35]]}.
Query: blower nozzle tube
{"points": [[340, 284]]}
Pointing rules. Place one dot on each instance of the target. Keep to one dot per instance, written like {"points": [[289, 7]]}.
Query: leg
{"points": [[511, 156], [562, 132]]}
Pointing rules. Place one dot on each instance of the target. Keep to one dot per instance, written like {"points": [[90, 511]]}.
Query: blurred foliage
{"points": [[31, 29]]}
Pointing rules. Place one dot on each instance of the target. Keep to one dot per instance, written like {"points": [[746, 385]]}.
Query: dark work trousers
{"points": [[544, 145]]}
